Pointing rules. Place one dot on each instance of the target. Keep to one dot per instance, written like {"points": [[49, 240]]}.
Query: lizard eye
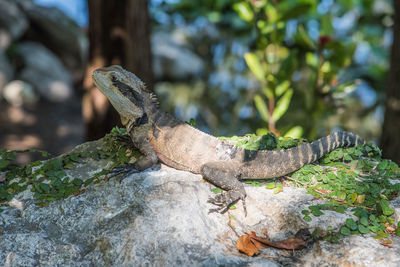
{"points": [[113, 78]]}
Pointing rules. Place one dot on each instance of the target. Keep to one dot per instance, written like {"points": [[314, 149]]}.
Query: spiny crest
{"points": [[133, 79], [154, 99]]}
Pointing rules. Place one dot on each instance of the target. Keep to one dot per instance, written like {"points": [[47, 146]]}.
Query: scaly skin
{"points": [[160, 136]]}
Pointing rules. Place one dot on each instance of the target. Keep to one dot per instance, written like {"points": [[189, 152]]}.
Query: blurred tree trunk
{"points": [[119, 33], [390, 140]]}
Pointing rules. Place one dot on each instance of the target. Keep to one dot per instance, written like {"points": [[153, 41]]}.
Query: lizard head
{"points": [[126, 92]]}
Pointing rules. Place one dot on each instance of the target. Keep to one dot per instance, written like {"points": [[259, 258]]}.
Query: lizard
{"points": [[159, 136]]}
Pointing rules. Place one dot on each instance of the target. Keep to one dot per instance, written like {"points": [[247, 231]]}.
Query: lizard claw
{"points": [[226, 199], [126, 170]]}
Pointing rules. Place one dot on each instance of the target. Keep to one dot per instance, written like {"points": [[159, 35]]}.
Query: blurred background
{"points": [[298, 68]]}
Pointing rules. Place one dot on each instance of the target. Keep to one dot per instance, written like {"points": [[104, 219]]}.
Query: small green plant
{"points": [[48, 180], [354, 179]]}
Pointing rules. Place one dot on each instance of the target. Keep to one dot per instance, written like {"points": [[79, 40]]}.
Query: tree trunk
{"points": [[119, 33], [390, 140]]}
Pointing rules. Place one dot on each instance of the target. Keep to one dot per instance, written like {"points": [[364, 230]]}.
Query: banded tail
{"points": [[278, 163]]}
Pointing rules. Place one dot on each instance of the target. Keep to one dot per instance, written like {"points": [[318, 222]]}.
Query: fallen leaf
{"points": [[290, 243], [390, 229], [387, 243], [245, 245], [258, 244]]}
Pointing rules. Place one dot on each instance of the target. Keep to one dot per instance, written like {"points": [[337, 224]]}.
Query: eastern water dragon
{"points": [[160, 136]]}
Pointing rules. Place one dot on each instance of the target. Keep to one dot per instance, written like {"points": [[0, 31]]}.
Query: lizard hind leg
{"points": [[222, 174]]}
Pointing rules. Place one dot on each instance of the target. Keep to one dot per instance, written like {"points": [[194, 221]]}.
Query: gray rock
{"points": [[172, 59], [12, 21], [160, 218], [58, 32], [44, 71], [19, 92]]}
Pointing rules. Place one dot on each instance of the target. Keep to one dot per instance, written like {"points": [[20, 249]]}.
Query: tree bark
{"points": [[119, 33], [390, 139]]}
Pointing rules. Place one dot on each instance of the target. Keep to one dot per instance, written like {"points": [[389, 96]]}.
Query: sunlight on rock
{"points": [[59, 91], [14, 141], [20, 116]]}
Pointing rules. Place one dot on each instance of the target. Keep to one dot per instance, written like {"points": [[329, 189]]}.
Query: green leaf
{"points": [[45, 187], [244, 11], [270, 185], [311, 59], [4, 163], [77, 181], [353, 197], [317, 212], [282, 105], [344, 230], [364, 221], [294, 132], [88, 181], [326, 25], [342, 196], [303, 39], [255, 65], [271, 13], [350, 223], [307, 218], [290, 10], [74, 156], [278, 190], [382, 234], [261, 107], [282, 87], [305, 212], [363, 229], [384, 208], [216, 190]]}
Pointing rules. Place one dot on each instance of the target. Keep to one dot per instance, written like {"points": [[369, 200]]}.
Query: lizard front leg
{"points": [[223, 175], [140, 139]]}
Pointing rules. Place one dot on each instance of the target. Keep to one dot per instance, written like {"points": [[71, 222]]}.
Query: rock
{"points": [[172, 59], [44, 71], [13, 22], [19, 92], [160, 218], [61, 34]]}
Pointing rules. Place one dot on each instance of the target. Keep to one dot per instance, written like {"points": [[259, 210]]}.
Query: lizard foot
{"points": [[126, 170], [225, 199], [125, 140]]}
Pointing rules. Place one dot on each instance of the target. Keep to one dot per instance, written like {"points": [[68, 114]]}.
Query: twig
{"points": [[297, 181]]}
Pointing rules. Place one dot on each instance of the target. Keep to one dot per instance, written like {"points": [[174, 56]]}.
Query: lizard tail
{"points": [[279, 163]]}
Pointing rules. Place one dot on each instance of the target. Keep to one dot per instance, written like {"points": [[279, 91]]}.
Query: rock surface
{"points": [[160, 218], [172, 59], [61, 34], [12, 19], [44, 71]]}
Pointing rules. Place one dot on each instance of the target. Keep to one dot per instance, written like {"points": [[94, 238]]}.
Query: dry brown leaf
{"points": [[246, 246], [387, 243], [290, 243], [249, 244], [258, 244]]}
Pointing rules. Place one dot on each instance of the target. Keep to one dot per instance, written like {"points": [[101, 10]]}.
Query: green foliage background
{"points": [[286, 66]]}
